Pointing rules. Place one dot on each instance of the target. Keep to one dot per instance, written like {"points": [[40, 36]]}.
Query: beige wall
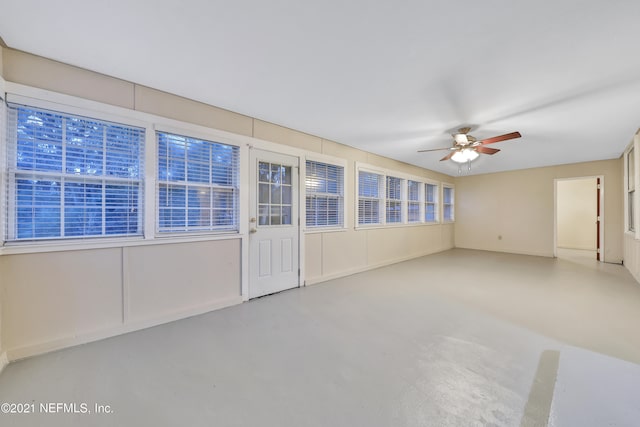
{"points": [[577, 213], [632, 255], [335, 254], [514, 211], [125, 288], [631, 244], [68, 297]]}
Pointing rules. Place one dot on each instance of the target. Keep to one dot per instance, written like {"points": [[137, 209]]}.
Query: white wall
{"points": [[576, 213]]}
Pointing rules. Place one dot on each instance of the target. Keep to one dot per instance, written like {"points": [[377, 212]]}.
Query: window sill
{"points": [[17, 248], [409, 224], [324, 230]]}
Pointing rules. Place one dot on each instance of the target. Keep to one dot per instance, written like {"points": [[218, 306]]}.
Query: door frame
{"points": [[245, 179], [600, 203]]}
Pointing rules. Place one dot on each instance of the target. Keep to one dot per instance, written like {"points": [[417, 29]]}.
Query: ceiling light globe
{"points": [[465, 155]]}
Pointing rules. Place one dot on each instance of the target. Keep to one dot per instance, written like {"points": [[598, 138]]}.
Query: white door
{"points": [[273, 225]]}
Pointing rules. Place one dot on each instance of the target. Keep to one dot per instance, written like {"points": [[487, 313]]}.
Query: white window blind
{"points": [[325, 194], [413, 196], [447, 203], [71, 176], [394, 199], [431, 203], [197, 185], [369, 198]]}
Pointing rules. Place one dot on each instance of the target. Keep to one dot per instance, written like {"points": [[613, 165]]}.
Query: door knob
{"points": [[253, 230]]}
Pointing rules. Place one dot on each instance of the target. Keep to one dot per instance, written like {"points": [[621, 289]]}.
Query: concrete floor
{"points": [[576, 254], [460, 338]]}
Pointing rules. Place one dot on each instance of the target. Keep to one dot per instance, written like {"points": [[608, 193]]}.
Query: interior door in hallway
{"points": [[579, 215]]}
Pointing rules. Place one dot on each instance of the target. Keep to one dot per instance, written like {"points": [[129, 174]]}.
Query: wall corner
{"points": [[4, 361], [2, 46]]}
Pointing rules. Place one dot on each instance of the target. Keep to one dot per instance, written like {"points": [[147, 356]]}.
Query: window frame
{"points": [[419, 202], [104, 180], [443, 186], [436, 203], [401, 201], [631, 202], [333, 161], [69, 104], [234, 189], [380, 199], [384, 173], [4, 173]]}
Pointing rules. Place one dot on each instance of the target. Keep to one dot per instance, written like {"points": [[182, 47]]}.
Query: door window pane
{"points": [[274, 199]]}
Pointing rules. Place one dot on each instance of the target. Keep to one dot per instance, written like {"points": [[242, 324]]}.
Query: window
{"points": [[275, 190], [631, 187], [72, 177], [197, 185], [447, 203], [431, 203], [386, 197], [325, 195], [413, 196], [369, 197], [394, 199]]}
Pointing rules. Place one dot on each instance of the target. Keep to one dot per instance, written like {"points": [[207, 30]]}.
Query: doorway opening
{"points": [[579, 218]]}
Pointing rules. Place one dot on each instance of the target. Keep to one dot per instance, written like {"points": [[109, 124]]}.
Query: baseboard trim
{"points": [[11, 355], [577, 248], [345, 273], [510, 251]]}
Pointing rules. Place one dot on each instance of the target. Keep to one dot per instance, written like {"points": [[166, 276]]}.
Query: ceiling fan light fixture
{"points": [[460, 138], [465, 155]]}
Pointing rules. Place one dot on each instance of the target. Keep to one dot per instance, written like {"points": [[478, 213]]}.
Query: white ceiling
{"points": [[390, 77]]}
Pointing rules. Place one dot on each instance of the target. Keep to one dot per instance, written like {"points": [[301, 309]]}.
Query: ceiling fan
{"points": [[467, 148]]}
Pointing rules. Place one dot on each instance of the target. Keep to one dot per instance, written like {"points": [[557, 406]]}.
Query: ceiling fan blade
{"points": [[486, 150], [448, 156], [435, 149], [504, 137]]}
